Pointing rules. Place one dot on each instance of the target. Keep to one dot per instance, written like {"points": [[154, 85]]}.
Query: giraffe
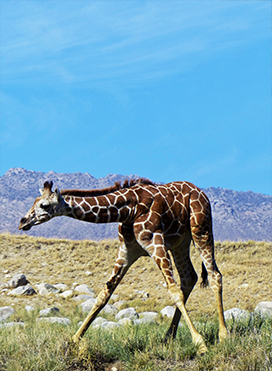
{"points": [[154, 220]]}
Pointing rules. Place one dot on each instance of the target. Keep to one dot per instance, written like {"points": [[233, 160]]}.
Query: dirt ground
{"points": [[246, 269]]}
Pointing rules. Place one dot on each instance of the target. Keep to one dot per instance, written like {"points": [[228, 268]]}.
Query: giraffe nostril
{"points": [[22, 220]]}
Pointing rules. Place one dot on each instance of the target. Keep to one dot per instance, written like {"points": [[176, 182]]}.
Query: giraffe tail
{"points": [[204, 276]]}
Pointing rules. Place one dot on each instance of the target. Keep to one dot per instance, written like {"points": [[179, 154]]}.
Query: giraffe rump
{"points": [[100, 192]]}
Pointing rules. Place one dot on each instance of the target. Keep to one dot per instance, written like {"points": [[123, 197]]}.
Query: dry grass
{"points": [[246, 268]]}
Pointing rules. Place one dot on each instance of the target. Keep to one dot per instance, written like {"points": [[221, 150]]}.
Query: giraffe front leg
{"points": [[99, 304], [101, 301], [123, 262]]}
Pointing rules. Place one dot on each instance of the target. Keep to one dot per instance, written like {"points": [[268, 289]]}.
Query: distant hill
{"points": [[236, 215]]}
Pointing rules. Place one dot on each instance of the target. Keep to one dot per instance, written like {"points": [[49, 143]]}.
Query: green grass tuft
{"points": [[48, 347]]}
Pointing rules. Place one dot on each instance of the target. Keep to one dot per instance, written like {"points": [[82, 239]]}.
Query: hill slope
{"points": [[236, 215]]}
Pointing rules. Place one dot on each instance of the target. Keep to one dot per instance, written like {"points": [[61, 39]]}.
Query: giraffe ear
{"points": [[41, 191], [57, 192]]}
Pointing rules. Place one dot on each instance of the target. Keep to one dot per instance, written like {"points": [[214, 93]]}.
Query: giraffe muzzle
{"points": [[25, 224]]}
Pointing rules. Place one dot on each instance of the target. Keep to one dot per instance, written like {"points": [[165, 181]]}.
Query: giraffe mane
{"points": [[100, 192]]}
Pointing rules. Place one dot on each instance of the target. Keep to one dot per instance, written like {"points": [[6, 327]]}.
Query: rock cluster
{"points": [[85, 296], [264, 309]]}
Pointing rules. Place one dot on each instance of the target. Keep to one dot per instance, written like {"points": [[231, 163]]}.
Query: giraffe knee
{"points": [[176, 295], [216, 280]]}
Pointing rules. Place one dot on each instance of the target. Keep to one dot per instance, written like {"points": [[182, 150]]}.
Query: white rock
{"points": [[12, 324], [109, 309], [4, 286], [18, 280], [264, 308], [152, 315], [236, 313], [142, 294], [115, 297], [168, 311], [84, 289], [127, 313], [83, 297], [5, 313], [67, 294], [29, 308], [109, 325], [125, 322], [48, 311], [243, 286], [140, 321], [22, 290], [119, 303], [45, 289], [98, 322], [61, 320], [61, 286], [87, 305]]}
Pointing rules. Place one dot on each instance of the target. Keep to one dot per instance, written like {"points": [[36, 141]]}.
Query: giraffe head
{"points": [[45, 207]]}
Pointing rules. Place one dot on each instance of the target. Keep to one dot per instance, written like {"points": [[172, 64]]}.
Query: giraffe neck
{"points": [[108, 208]]}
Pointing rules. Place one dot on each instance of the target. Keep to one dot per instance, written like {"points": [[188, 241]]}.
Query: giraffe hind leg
{"points": [[201, 231], [204, 276], [188, 279], [172, 331], [162, 259], [210, 269], [216, 285]]}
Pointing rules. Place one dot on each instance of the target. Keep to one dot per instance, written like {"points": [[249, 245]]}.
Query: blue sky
{"points": [[168, 90]]}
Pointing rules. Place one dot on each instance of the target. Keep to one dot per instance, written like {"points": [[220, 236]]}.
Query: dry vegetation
{"points": [[246, 268], [247, 272]]}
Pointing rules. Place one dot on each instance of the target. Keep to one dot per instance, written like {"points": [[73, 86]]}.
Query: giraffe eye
{"points": [[45, 206]]}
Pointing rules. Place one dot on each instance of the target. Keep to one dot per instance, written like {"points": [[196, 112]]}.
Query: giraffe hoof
{"points": [[76, 339], [199, 342], [202, 349]]}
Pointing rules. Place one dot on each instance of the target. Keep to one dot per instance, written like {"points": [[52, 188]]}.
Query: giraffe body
{"points": [[153, 220]]}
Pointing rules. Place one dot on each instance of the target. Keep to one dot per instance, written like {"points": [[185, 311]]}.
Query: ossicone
{"points": [[48, 185]]}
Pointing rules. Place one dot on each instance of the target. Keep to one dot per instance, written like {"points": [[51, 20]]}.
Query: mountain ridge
{"points": [[236, 215]]}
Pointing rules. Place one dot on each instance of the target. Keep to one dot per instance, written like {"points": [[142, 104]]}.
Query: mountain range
{"points": [[237, 216]]}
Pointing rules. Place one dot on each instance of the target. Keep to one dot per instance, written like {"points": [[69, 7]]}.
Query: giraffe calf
{"points": [[154, 220]]}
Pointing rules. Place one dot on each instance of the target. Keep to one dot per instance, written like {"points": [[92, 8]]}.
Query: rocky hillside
{"points": [[236, 215]]}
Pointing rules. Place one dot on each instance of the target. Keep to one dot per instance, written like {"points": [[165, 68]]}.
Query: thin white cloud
{"points": [[100, 40]]}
